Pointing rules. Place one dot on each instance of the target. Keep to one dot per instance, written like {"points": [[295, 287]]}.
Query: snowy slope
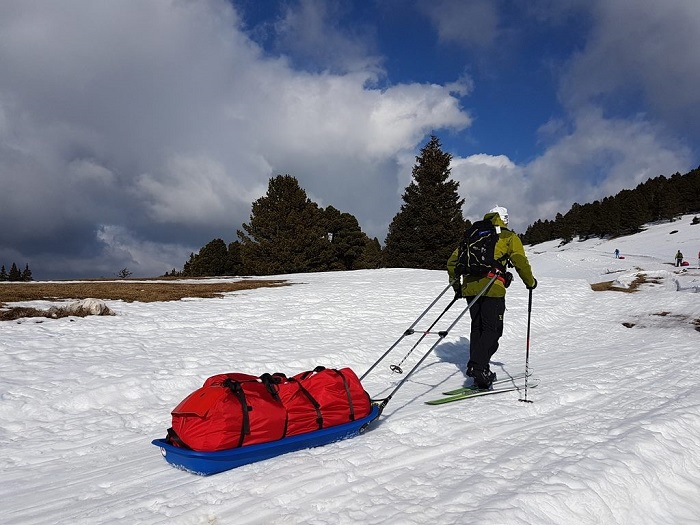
{"points": [[613, 435]]}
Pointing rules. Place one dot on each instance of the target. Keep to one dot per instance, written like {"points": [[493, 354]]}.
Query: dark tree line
{"points": [[289, 233], [15, 274], [656, 199]]}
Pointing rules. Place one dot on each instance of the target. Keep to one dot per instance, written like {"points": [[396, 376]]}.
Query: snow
{"points": [[612, 435]]}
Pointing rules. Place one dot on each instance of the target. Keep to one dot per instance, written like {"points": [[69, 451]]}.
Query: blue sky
{"points": [[512, 70], [134, 132]]}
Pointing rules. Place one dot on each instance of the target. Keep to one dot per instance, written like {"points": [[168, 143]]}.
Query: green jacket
{"points": [[508, 244]]}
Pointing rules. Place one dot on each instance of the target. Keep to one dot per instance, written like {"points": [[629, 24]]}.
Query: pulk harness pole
{"points": [[442, 335], [397, 368], [527, 346], [410, 330]]}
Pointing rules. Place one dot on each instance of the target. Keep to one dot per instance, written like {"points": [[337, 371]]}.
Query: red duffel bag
{"points": [[303, 411], [229, 411], [338, 393]]}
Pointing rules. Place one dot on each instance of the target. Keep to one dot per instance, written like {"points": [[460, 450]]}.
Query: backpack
{"points": [[477, 251]]}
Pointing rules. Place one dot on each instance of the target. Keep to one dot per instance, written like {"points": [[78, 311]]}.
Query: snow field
{"points": [[613, 435]]}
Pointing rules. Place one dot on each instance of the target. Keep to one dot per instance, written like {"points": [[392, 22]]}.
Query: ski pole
{"points": [[409, 330], [527, 346], [442, 335], [397, 368]]}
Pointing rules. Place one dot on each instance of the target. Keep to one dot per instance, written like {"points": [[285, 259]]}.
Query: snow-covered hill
{"points": [[613, 435]]}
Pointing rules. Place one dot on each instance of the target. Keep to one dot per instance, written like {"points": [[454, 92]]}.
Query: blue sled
{"points": [[206, 463]]}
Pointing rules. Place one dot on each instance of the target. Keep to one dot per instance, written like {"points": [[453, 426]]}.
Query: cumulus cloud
{"points": [[593, 158], [133, 132], [637, 54], [640, 48], [164, 121]]}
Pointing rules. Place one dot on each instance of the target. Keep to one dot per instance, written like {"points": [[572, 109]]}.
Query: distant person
{"points": [[487, 312], [617, 253], [679, 258], [698, 259]]}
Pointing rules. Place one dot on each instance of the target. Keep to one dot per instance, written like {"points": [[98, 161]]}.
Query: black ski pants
{"points": [[486, 330]]}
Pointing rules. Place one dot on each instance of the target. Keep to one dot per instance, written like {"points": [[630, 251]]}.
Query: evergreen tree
{"points": [[286, 232], [430, 224], [371, 256], [215, 258], [210, 261], [15, 275], [634, 211], [562, 229], [3, 274], [234, 262], [26, 274], [346, 238], [656, 199]]}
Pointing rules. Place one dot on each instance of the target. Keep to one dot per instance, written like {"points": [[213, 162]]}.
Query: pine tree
{"points": [[286, 232], [430, 224], [3, 274], [234, 263], [346, 238], [15, 275], [26, 274], [372, 256], [660, 198], [210, 261]]}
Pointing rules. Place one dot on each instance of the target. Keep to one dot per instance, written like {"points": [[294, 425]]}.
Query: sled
{"points": [[206, 463], [621, 257], [685, 263]]}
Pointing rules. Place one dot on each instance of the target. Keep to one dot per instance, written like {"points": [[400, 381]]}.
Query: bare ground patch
{"points": [[129, 291], [633, 287], [669, 320]]}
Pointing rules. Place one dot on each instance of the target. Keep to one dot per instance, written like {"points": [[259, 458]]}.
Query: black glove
{"points": [[533, 286], [508, 278], [458, 293]]}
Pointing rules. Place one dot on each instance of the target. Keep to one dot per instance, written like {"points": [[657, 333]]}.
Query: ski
{"points": [[471, 388], [469, 393]]}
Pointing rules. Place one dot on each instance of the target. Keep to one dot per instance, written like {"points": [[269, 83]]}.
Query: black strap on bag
{"points": [[316, 370], [347, 391], [173, 439], [279, 377], [271, 381], [312, 400], [237, 390]]}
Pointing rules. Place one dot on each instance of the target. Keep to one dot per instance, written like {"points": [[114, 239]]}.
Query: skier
{"points": [[679, 258], [617, 253], [487, 312]]}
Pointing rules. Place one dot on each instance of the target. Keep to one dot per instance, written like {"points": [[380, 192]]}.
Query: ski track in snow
{"points": [[613, 435]]}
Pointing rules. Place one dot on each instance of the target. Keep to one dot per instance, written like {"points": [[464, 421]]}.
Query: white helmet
{"points": [[502, 212]]}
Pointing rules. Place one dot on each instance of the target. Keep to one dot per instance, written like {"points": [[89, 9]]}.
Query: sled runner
{"points": [[206, 463]]}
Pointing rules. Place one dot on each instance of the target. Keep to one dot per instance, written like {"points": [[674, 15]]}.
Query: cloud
{"points": [[163, 121], [134, 132], [311, 33], [592, 158], [640, 51], [629, 97], [489, 180], [470, 23]]}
